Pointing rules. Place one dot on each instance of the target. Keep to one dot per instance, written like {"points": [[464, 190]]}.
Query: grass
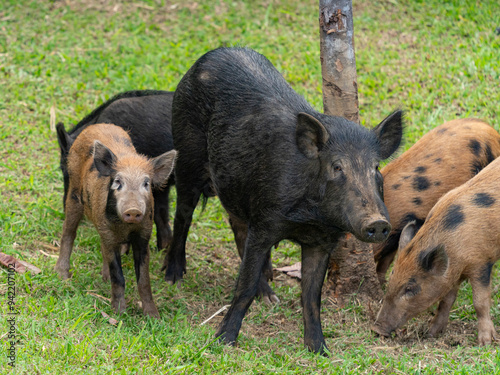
{"points": [[437, 60]]}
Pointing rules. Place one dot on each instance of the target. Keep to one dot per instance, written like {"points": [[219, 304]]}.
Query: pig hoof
{"points": [[151, 312], [119, 306], [173, 276], [265, 292], [271, 299], [63, 274], [225, 338], [486, 333], [318, 348]]}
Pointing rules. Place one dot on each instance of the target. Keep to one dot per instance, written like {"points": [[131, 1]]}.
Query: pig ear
{"points": [[434, 261], [63, 138], [103, 159], [310, 134], [163, 166], [389, 133], [407, 234]]}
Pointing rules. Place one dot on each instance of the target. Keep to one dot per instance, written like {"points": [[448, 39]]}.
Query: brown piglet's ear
{"points": [[311, 135], [104, 159], [407, 234], [163, 166]]}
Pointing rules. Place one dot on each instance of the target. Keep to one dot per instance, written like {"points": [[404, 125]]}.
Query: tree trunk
{"points": [[351, 268], [338, 62]]}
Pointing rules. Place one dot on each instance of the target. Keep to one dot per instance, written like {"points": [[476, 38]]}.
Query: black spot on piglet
{"points": [[396, 186], [417, 201], [454, 217], [420, 183], [483, 200], [489, 155], [420, 169], [475, 147]]}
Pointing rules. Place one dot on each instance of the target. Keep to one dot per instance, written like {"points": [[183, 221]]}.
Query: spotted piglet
{"points": [[459, 240], [111, 184], [441, 160]]}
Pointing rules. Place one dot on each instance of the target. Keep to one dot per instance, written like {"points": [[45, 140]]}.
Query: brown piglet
{"points": [[111, 184], [459, 240], [441, 160]]}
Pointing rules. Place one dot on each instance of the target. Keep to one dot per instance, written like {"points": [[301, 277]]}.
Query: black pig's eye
{"points": [[337, 168]]}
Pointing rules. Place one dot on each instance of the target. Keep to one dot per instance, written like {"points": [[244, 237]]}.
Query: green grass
{"points": [[437, 60]]}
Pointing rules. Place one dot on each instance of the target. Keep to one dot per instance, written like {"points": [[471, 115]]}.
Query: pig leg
{"points": [[113, 258], [140, 248], [264, 291], [314, 266], [163, 231], [440, 321], [174, 263], [74, 213], [105, 265], [246, 286], [481, 297]]}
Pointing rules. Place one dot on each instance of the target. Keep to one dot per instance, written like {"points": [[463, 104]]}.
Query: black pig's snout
{"points": [[376, 231]]}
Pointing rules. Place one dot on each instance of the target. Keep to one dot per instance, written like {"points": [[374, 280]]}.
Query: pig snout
{"points": [[133, 216], [375, 231], [379, 329]]}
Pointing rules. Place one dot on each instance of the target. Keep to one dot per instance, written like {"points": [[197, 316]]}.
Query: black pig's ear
{"points": [[64, 139], [162, 168], [407, 234], [311, 135], [389, 133], [103, 159], [434, 260]]}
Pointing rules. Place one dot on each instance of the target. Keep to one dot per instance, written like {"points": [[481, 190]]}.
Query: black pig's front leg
{"points": [[254, 258], [314, 265]]}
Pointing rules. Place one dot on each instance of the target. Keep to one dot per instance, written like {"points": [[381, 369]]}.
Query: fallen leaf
{"points": [[110, 320], [293, 271], [20, 266]]}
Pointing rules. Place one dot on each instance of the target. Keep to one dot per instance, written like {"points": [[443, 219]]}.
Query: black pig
{"points": [[282, 171], [146, 115]]}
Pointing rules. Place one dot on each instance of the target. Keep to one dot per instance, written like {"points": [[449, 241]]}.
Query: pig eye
{"points": [[117, 184], [337, 168], [146, 184], [412, 289]]}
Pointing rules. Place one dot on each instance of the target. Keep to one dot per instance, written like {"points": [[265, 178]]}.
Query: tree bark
{"points": [[338, 61], [352, 267]]}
